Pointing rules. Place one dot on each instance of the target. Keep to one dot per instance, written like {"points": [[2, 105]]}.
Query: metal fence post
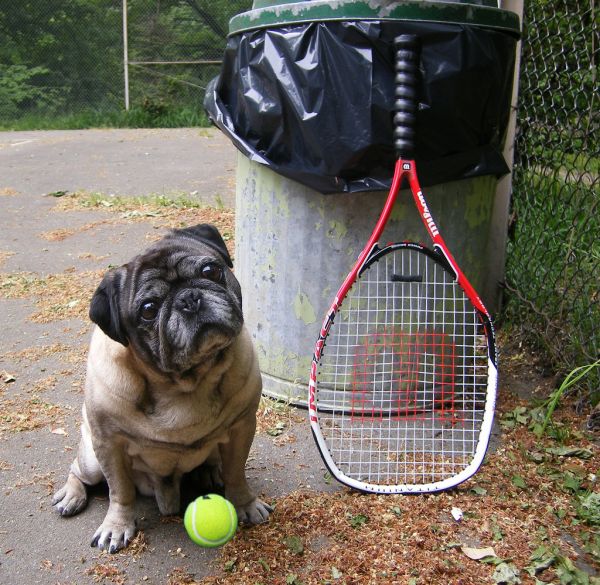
{"points": [[125, 56], [499, 229]]}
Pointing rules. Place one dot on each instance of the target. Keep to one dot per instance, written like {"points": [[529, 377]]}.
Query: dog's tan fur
{"points": [[143, 429]]}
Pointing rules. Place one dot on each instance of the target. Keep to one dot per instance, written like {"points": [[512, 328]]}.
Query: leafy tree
{"points": [[76, 42], [18, 89], [59, 55]]}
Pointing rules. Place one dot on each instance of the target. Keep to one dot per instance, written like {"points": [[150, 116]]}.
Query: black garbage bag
{"points": [[314, 101]]}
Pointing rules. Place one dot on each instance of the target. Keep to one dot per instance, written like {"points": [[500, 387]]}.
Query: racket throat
{"points": [[426, 216], [409, 171], [446, 260]]}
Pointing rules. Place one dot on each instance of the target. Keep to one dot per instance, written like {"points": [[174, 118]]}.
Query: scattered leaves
{"points": [[519, 482], [273, 416], [294, 545], [588, 508], [497, 534], [101, 573], [519, 416], [161, 211], [6, 377], [57, 296], [506, 574], [336, 573], [179, 576], [357, 520], [569, 574], [541, 559], [477, 554], [478, 490], [570, 452], [277, 429], [18, 414]]}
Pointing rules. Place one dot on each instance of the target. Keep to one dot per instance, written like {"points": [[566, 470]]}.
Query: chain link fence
{"points": [[58, 56], [175, 48], [62, 57], [553, 270]]}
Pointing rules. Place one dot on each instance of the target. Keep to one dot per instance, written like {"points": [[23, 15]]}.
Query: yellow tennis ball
{"points": [[210, 520]]}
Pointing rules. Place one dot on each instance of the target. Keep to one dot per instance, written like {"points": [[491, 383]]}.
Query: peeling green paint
{"points": [[337, 229], [303, 309], [318, 207], [276, 361], [274, 14], [478, 205], [399, 210], [284, 206], [267, 268], [474, 268]]}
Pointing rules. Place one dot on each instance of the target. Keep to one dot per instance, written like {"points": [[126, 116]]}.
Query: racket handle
{"points": [[405, 105]]}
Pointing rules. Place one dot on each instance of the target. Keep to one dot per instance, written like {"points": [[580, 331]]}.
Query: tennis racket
{"points": [[403, 378]]}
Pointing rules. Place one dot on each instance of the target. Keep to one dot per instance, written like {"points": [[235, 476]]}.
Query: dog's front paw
{"points": [[117, 530], [71, 498], [255, 512]]}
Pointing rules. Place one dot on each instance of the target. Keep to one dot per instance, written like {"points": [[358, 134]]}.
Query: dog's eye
{"points": [[149, 310], [213, 272]]}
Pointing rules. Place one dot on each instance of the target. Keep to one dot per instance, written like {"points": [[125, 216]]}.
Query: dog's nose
{"points": [[189, 302]]}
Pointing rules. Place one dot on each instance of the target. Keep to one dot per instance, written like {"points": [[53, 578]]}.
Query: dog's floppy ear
{"points": [[104, 308], [209, 235]]}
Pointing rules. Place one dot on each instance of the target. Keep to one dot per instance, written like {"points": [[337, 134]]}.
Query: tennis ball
{"points": [[210, 520]]}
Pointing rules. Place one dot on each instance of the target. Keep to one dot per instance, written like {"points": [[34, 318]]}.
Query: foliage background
{"points": [[64, 58]]}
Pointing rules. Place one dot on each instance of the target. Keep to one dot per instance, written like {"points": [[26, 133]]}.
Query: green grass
{"points": [[101, 200], [137, 117]]}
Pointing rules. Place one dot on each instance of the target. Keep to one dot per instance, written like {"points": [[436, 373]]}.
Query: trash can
{"points": [[306, 94]]}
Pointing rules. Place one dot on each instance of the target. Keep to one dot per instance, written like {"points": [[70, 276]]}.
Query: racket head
{"points": [[403, 380]]}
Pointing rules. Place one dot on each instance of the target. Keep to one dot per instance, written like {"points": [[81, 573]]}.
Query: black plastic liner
{"points": [[314, 101]]}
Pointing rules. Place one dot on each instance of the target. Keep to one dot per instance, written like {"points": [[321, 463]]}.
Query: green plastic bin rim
{"points": [[268, 14]]}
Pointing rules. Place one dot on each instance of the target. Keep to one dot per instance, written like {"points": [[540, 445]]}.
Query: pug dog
{"points": [[172, 383]]}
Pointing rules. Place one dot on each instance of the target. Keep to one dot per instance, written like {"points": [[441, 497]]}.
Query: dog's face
{"points": [[176, 304]]}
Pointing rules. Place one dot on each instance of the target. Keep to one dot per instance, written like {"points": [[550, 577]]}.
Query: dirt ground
{"points": [[74, 203]]}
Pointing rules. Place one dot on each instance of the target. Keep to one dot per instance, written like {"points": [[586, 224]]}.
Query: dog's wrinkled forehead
{"points": [[177, 264], [203, 234], [182, 250], [161, 269]]}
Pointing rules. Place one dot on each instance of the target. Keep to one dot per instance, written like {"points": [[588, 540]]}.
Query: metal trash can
{"points": [[311, 179]]}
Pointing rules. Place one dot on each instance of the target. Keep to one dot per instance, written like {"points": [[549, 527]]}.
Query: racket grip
{"points": [[405, 105]]}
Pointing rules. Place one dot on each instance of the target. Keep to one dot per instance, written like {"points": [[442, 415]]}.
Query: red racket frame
{"points": [[404, 169], [405, 105]]}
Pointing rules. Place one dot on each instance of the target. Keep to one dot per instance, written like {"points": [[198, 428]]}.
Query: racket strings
{"points": [[402, 381], [399, 362]]}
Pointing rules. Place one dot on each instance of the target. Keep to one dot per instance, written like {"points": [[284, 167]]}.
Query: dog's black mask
{"points": [[176, 303]]}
